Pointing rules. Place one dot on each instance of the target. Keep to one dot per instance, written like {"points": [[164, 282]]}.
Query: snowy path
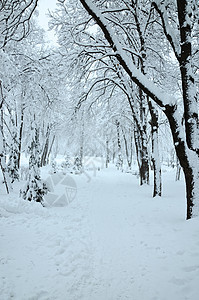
{"points": [[111, 220], [140, 247], [113, 242]]}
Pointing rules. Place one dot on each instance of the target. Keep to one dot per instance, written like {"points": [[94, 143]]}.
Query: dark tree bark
{"points": [[3, 144], [142, 157], [15, 18], [178, 169], [107, 153], [45, 148], [128, 155], [50, 148], [185, 60], [186, 162], [20, 136], [157, 190], [119, 147]]}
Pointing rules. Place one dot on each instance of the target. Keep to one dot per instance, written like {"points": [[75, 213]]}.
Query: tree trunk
{"points": [[119, 159], [3, 145], [107, 153], [188, 160], [50, 149], [144, 169], [2, 158], [20, 137], [113, 151], [187, 76], [44, 153], [128, 156], [178, 169], [157, 188], [191, 193], [142, 157]]}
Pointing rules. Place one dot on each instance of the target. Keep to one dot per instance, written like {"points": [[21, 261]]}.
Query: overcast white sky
{"points": [[43, 7]]}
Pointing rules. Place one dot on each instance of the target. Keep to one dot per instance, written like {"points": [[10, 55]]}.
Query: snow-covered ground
{"points": [[113, 241]]}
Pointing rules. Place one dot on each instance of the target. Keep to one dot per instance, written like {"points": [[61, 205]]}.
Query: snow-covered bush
{"points": [[35, 188], [77, 164], [12, 166]]}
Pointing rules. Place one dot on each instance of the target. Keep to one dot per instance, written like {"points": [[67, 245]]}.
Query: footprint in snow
{"points": [[191, 268], [180, 252], [178, 281]]}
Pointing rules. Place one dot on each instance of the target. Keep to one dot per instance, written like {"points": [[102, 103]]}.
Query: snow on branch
{"points": [[161, 98], [14, 19], [170, 33]]}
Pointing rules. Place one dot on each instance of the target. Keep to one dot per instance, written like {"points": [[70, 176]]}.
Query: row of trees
{"points": [[123, 72], [28, 96], [146, 51]]}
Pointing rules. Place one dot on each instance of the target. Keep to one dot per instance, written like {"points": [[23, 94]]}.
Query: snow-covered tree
{"points": [[99, 68], [14, 19], [35, 188], [179, 22], [12, 165]]}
